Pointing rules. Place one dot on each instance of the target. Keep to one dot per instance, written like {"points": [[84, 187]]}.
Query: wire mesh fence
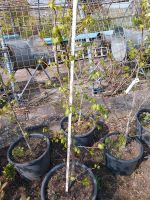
{"points": [[28, 37]]}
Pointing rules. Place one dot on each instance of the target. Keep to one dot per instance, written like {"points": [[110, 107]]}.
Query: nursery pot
{"points": [[80, 140], [35, 169], [142, 132], [119, 166], [60, 166]]}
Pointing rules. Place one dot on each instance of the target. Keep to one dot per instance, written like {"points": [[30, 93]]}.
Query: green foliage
{"points": [[122, 140], [5, 109], [26, 135], [69, 109], [59, 138], [18, 152], [3, 101], [45, 130], [101, 146], [133, 53], [9, 172], [145, 120], [72, 178], [56, 35], [95, 75], [146, 117], [16, 20], [91, 151], [61, 25], [101, 109], [116, 142], [96, 166], [77, 150], [61, 31], [84, 23], [142, 21], [85, 182]]}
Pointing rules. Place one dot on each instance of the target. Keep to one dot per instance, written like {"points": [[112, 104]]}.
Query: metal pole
{"points": [[8, 63]]}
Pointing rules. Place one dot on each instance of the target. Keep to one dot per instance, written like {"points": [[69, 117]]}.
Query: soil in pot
{"points": [[80, 188], [80, 127], [21, 153], [145, 119], [122, 149]]}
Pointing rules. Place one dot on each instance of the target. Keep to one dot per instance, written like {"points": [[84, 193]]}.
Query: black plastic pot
{"points": [[54, 170], [122, 167], [142, 132], [34, 169], [80, 140]]}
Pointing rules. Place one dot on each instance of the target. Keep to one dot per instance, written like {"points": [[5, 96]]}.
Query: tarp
{"points": [[44, 2], [83, 36]]}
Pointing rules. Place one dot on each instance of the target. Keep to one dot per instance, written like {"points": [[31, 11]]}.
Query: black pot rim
{"points": [[9, 152], [138, 117], [54, 169], [121, 160], [76, 136]]}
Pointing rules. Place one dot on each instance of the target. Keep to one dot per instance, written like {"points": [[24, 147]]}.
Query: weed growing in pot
{"points": [[18, 152], [145, 119], [85, 182], [117, 143]]}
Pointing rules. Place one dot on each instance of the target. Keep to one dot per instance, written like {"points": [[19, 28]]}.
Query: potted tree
{"points": [[30, 154], [64, 180], [143, 125], [142, 117], [84, 126], [83, 131], [83, 123], [82, 183], [122, 153]]}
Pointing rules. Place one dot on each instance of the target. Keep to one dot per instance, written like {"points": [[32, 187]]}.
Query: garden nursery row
{"points": [[74, 100]]}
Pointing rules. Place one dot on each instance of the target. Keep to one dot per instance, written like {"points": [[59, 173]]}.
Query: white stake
{"points": [[135, 81], [75, 2]]}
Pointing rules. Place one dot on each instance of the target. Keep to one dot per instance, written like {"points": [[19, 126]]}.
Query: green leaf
{"points": [[101, 146]]}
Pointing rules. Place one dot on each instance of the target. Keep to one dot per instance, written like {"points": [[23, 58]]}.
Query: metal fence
{"points": [[27, 43]]}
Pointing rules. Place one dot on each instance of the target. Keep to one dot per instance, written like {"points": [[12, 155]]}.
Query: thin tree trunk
{"points": [[12, 109]]}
